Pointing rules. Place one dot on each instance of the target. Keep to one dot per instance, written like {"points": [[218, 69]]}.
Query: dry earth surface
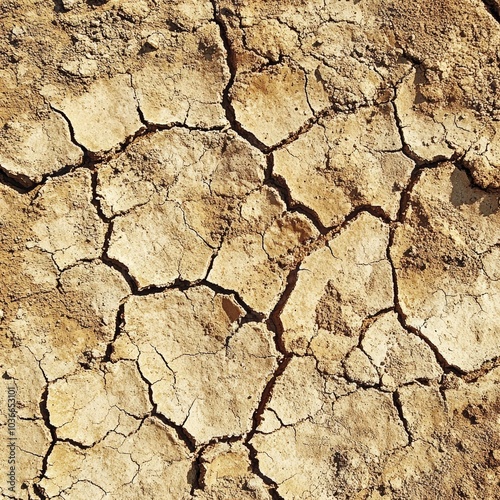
{"points": [[250, 249]]}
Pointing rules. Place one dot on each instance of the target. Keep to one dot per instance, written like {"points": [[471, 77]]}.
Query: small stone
{"points": [[154, 41]]}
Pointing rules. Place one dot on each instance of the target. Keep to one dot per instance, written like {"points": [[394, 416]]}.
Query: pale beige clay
{"points": [[103, 116], [446, 276], [197, 378], [345, 162], [30, 150], [250, 250]]}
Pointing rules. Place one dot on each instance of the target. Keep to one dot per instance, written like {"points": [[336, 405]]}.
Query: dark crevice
{"points": [[19, 183], [306, 126], [266, 396], [120, 321], [251, 314], [177, 284], [407, 151], [183, 435], [281, 186], [399, 407], [460, 164], [485, 368], [254, 461], [224, 439], [70, 128], [232, 66], [405, 148], [115, 264], [76, 444], [406, 194], [198, 471], [44, 412], [274, 322], [374, 210], [493, 7], [96, 198], [150, 128]]}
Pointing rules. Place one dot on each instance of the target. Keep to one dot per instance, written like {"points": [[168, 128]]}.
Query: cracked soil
{"points": [[250, 249]]}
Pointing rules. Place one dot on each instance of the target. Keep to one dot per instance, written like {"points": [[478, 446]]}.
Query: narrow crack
{"points": [[280, 184], [119, 323], [183, 435], [44, 412], [254, 461], [251, 314], [399, 407], [232, 64], [70, 127], [116, 264]]}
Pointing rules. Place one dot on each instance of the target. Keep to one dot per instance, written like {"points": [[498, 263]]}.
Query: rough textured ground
{"points": [[250, 249]]}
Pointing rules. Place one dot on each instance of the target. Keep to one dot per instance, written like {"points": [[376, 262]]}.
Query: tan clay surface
{"points": [[250, 249]]}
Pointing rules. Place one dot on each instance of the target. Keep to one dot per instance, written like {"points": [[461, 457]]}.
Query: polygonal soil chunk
{"points": [[157, 246], [66, 224], [61, 338], [16, 364], [483, 159], [454, 432], [207, 174], [86, 406], [338, 287], [171, 91], [144, 462], [345, 162], [272, 104], [226, 472], [433, 135], [399, 356], [103, 116], [260, 248], [30, 438], [360, 369], [424, 411], [334, 450], [33, 149], [93, 292], [27, 438], [198, 359], [446, 283]]}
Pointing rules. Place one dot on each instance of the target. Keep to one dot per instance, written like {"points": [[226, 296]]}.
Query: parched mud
{"points": [[250, 250]]}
